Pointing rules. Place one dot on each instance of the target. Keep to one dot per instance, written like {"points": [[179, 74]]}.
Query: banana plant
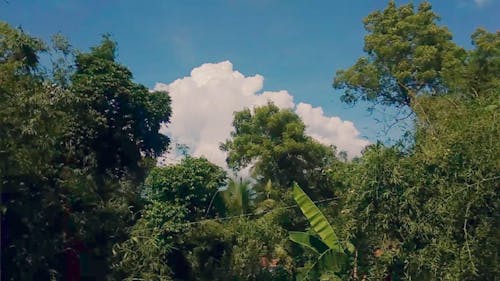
{"points": [[324, 241]]}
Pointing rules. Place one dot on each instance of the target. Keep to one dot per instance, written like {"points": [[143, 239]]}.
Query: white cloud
{"points": [[331, 130], [204, 102], [481, 3]]}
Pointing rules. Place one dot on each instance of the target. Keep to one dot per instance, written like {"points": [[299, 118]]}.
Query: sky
{"points": [[215, 57]]}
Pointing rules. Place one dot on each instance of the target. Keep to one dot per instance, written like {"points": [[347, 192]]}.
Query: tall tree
{"points": [[114, 141], [274, 142], [408, 54], [33, 122], [426, 212], [59, 186], [483, 64], [120, 119]]}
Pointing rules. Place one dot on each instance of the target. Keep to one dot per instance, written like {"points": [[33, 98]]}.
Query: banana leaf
{"points": [[318, 221], [309, 241]]}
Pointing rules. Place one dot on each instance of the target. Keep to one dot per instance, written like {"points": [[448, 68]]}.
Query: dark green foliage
{"points": [[209, 252], [463, 168], [32, 122], [61, 196], [152, 239], [253, 240], [187, 252], [79, 141], [240, 249], [192, 183], [113, 141], [119, 118], [206, 249], [431, 215], [483, 64]]}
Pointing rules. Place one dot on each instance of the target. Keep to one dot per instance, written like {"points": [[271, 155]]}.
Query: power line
{"points": [[257, 214]]}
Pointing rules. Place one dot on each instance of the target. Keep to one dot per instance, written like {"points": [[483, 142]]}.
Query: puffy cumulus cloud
{"points": [[331, 130], [204, 102]]}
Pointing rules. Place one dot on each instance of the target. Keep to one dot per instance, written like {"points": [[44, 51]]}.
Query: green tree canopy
{"points": [[426, 212], [120, 119], [71, 155], [408, 54], [274, 142], [33, 122], [483, 64], [192, 183]]}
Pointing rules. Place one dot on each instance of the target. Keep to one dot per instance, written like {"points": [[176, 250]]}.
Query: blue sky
{"points": [[295, 45]]}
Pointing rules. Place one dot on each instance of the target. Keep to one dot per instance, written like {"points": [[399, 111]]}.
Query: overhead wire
{"points": [[255, 214]]}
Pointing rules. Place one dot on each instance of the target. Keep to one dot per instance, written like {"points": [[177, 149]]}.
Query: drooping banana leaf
{"points": [[330, 261], [309, 241], [318, 221]]}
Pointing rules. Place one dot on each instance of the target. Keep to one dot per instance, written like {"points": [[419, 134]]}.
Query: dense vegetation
{"points": [[83, 199]]}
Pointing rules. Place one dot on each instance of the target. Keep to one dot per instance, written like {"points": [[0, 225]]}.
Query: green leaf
{"points": [[331, 260], [308, 241], [316, 218], [350, 247]]}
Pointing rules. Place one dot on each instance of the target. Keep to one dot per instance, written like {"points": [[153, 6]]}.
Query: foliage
{"points": [[254, 241], [152, 238], [465, 157], [191, 183], [274, 142], [331, 256], [483, 64], [431, 214], [81, 195], [32, 123], [208, 251], [408, 54], [238, 197], [119, 118], [60, 196], [427, 212]]}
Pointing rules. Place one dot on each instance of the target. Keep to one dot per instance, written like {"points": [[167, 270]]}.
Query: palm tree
{"points": [[238, 197]]}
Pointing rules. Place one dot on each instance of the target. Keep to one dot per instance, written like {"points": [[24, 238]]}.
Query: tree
{"points": [[166, 242], [408, 55], [483, 64], [381, 207], [192, 183], [425, 212], [145, 254], [461, 167], [108, 150], [274, 142], [120, 119], [255, 241], [33, 122], [238, 197], [57, 134]]}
